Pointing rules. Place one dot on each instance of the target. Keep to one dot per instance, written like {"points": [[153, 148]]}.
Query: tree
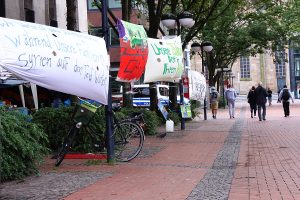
{"points": [[126, 12], [248, 28], [201, 9]]}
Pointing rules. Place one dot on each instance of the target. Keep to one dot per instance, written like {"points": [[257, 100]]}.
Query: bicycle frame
{"points": [[126, 132]]}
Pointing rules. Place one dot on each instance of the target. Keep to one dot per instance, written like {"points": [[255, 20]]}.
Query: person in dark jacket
{"points": [[252, 101], [261, 100], [285, 102]]}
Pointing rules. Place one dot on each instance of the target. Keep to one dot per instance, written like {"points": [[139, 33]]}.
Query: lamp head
{"points": [[169, 20], [207, 46], [186, 19], [196, 47]]}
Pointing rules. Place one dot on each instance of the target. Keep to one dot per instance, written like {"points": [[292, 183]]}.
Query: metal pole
{"points": [[182, 103], [223, 88], [203, 71], [108, 108]]}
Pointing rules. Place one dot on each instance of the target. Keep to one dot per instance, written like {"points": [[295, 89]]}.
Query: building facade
{"points": [[47, 12], [272, 70]]}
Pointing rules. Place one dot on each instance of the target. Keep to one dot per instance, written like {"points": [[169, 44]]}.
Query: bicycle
{"points": [[128, 133]]}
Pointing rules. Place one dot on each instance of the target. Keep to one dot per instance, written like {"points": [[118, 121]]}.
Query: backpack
{"points": [[285, 95], [214, 95]]}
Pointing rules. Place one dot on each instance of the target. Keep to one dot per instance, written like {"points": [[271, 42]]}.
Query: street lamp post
{"points": [[207, 47], [232, 77], [108, 107], [224, 70], [171, 21]]}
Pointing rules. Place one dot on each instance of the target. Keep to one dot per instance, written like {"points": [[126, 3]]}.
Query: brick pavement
{"points": [[268, 166], [240, 158]]}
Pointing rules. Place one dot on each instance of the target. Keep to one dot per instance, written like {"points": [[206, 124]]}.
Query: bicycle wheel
{"points": [[66, 145], [129, 139]]}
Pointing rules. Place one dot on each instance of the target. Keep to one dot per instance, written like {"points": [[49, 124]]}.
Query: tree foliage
{"points": [[248, 28], [235, 27]]}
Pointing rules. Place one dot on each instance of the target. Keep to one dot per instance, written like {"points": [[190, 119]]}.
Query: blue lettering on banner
{"points": [[34, 60], [63, 62], [16, 40]]}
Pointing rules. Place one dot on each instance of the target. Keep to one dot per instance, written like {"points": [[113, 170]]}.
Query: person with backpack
{"points": [[261, 100], [284, 97], [252, 101], [230, 95], [214, 97]]}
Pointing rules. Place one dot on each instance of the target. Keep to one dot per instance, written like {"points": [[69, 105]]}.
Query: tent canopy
{"points": [[8, 79]]}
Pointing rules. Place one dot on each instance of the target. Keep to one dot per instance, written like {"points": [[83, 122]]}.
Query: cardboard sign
{"points": [[134, 51], [165, 60], [186, 111], [56, 59]]}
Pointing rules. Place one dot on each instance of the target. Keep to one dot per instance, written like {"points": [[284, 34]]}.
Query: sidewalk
{"points": [[239, 158]]}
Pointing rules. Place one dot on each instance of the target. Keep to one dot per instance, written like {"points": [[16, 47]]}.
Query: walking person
{"points": [[214, 97], [285, 96], [261, 100], [230, 95], [252, 101], [269, 91]]}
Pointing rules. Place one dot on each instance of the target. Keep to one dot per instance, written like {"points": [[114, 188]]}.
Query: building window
{"points": [[52, 13], [90, 5], [111, 4], [280, 63], [297, 66], [114, 4], [29, 15], [2, 8], [245, 67], [29, 12], [113, 37]]}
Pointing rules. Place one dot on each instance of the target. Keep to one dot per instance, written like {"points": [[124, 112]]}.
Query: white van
{"points": [[141, 95]]}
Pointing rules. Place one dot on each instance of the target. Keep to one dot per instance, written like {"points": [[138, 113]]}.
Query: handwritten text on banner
{"points": [[56, 59], [164, 60], [198, 86]]}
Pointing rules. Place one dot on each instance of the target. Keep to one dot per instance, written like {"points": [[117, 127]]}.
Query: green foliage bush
{"points": [[152, 120], [222, 102], [22, 145], [174, 116], [195, 105], [55, 122]]}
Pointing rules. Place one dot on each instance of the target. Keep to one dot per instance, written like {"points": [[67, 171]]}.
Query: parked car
{"points": [[141, 95]]}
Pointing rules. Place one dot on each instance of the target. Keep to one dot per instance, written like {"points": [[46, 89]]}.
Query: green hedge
{"points": [[57, 121], [22, 145], [151, 119]]}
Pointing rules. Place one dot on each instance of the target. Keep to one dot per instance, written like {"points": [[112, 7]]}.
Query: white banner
{"points": [[164, 60], [56, 59], [198, 89]]}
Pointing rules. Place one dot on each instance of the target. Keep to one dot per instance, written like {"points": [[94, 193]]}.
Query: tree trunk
{"points": [[152, 33]]}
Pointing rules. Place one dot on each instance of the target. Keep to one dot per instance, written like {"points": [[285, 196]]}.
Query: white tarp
{"points": [[164, 60], [56, 59], [198, 89]]}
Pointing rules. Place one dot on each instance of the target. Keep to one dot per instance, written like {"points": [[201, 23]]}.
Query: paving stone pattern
{"points": [[216, 182], [50, 186]]}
